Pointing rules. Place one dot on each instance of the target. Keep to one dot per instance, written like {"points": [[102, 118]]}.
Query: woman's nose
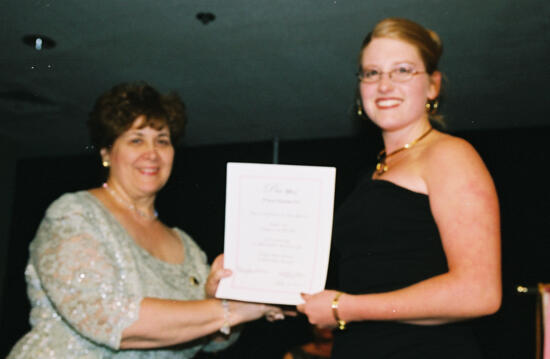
{"points": [[151, 151], [385, 83]]}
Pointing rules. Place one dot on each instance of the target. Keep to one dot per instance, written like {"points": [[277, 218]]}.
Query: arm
{"points": [[85, 275], [464, 204], [165, 322]]}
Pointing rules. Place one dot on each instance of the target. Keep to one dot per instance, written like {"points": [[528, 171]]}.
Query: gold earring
{"points": [[359, 108], [106, 164], [432, 106]]}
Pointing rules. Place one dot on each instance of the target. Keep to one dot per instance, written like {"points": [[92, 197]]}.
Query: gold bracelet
{"points": [[341, 323]]}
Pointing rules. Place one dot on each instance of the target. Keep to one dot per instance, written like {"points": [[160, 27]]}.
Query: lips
{"points": [[385, 103], [149, 171]]}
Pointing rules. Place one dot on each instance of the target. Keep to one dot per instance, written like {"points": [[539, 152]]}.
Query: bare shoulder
{"points": [[461, 191], [447, 152], [445, 147], [452, 160]]}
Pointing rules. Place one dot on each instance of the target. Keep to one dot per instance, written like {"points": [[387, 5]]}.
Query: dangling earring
{"points": [[432, 106], [359, 108], [105, 163]]}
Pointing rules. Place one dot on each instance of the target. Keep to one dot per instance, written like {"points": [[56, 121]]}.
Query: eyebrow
{"points": [[137, 132], [397, 63]]}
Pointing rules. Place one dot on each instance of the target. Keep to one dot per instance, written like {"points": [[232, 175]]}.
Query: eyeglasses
{"points": [[399, 74]]}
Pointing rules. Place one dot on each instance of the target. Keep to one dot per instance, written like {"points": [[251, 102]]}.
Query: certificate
{"points": [[278, 226]]}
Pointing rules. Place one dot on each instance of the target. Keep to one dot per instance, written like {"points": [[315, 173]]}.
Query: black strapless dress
{"points": [[385, 238]]}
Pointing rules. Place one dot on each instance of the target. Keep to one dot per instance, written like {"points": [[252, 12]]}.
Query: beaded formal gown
{"points": [[86, 278]]}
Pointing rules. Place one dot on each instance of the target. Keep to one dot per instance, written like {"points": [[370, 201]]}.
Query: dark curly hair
{"points": [[116, 110]]}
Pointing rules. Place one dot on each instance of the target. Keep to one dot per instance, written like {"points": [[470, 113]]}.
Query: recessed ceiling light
{"points": [[205, 17], [38, 42]]}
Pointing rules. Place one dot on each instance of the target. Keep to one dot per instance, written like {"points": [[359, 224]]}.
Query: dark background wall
{"points": [[8, 155], [194, 201]]}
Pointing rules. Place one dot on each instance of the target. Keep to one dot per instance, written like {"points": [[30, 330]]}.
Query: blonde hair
{"points": [[426, 41]]}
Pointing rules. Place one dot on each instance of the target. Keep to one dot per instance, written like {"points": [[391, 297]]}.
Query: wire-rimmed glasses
{"points": [[398, 74]]}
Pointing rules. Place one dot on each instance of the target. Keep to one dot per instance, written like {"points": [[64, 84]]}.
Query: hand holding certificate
{"points": [[278, 229]]}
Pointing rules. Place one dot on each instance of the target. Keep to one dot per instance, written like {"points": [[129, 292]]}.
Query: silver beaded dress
{"points": [[86, 278]]}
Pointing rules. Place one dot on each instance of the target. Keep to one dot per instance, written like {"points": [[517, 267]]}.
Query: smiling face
{"points": [[140, 160], [390, 104]]}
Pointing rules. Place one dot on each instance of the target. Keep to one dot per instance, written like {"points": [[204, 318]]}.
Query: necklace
{"points": [[129, 205], [382, 167]]}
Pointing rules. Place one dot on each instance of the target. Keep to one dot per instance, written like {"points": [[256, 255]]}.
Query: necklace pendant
{"points": [[381, 168]]}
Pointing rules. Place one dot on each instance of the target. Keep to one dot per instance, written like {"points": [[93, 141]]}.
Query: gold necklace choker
{"points": [[129, 205], [382, 167]]}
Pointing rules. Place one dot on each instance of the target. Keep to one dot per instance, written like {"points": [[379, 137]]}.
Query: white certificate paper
{"points": [[278, 226]]}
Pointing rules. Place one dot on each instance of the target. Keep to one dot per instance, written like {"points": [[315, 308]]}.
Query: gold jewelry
{"points": [[359, 107], [341, 323], [105, 164], [432, 106], [382, 167]]}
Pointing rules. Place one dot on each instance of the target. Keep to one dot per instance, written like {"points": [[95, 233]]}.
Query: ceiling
{"points": [[262, 69]]}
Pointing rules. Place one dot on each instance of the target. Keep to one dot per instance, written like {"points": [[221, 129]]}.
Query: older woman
{"points": [[106, 278], [419, 238]]}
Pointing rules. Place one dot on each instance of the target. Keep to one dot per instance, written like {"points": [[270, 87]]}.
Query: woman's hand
{"points": [[250, 311], [245, 310], [217, 272], [318, 308]]}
